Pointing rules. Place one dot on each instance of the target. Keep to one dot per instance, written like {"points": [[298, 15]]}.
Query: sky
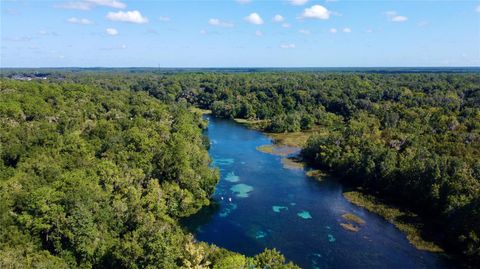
{"points": [[239, 33]]}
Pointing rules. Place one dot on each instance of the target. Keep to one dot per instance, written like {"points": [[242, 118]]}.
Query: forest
{"points": [[124, 154], [94, 178]]}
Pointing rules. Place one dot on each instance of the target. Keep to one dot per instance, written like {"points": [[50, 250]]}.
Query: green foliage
{"points": [[94, 178], [413, 138]]}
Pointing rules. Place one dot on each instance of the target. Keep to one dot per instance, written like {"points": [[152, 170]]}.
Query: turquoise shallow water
{"points": [[260, 204]]}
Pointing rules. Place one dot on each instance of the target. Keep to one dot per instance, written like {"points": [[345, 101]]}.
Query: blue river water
{"points": [[261, 203]]}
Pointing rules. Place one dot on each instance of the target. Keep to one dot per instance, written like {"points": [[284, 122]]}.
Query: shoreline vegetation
{"points": [[408, 223]]}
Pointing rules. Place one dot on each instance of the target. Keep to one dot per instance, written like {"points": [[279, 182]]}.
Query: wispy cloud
{"points": [[423, 23], [244, 2], [278, 18], [89, 4], [111, 31], [121, 47], [47, 33], [477, 9], [298, 2], [18, 39], [287, 46], [394, 17], [129, 16], [333, 30], [259, 33], [107, 3], [10, 11], [76, 20], [220, 23], [286, 25], [316, 12], [75, 5], [164, 18], [304, 32], [347, 30], [254, 18]]}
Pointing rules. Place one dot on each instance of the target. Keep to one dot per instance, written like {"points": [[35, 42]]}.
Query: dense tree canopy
{"points": [[92, 178], [412, 138]]}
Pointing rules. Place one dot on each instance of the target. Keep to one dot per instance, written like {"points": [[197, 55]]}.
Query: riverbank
{"points": [[407, 222]]}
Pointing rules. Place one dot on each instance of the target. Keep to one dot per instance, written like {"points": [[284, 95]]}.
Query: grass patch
{"points": [[292, 163], [316, 174], [253, 124], [406, 222], [200, 111], [295, 139], [278, 150]]}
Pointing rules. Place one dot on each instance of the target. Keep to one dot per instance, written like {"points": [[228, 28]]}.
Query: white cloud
{"points": [[286, 25], [111, 31], [399, 19], [243, 2], [298, 2], [394, 17], [258, 33], [304, 32], [316, 12], [203, 32], [287, 46], [477, 9], [75, 5], [76, 20], [333, 30], [130, 16], [164, 18], [218, 22], [278, 18], [369, 30], [107, 3], [254, 18], [347, 30]]}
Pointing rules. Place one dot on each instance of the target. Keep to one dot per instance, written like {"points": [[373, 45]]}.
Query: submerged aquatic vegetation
{"points": [[292, 163], [331, 238], [260, 234], [222, 161], [278, 150], [241, 190], [227, 210], [231, 177], [278, 209], [350, 227], [304, 214]]}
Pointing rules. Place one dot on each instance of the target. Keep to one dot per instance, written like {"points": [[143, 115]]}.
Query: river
{"points": [[261, 203]]}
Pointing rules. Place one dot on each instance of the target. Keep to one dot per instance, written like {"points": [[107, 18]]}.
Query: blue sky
{"points": [[239, 33]]}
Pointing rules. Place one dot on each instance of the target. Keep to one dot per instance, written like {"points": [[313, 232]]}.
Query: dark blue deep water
{"points": [[306, 227]]}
